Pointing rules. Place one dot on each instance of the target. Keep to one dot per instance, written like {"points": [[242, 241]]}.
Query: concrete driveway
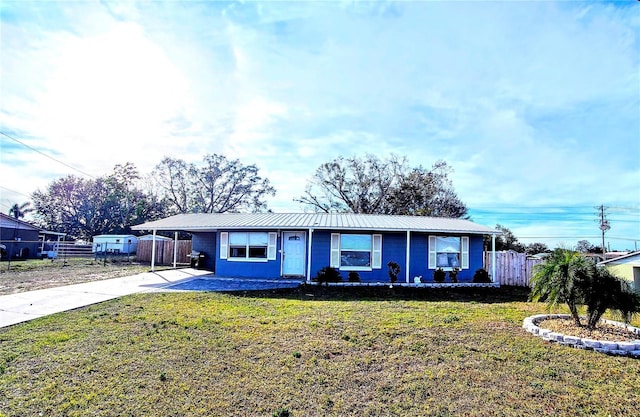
{"points": [[25, 306]]}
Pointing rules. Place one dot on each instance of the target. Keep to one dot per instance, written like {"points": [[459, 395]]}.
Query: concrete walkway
{"points": [[25, 306]]}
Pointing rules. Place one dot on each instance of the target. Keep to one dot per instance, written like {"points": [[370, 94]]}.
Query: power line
{"points": [[47, 156], [15, 192]]}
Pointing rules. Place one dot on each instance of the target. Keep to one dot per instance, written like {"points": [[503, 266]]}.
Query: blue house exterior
{"points": [[298, 245]]}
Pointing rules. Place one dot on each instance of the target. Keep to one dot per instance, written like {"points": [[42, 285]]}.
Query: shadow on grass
{"points": [[503, 294]]}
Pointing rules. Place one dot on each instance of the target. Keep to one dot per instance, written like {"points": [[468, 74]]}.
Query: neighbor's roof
{"points": [[11, 222], [620, 258], [319, 221]]}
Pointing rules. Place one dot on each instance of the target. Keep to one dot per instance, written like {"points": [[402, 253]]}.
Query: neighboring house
{"points": [[157, 238], [49, 243], [19, 238], [627, 267], [126, 244], [274, 245]]}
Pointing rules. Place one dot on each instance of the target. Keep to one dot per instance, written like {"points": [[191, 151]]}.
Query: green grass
{"points": [[309, 352]]}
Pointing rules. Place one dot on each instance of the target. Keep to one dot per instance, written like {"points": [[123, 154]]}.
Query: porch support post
{"points": [[309, 256], [153, 251], [493, 257], [175, 250], [407, 263]]}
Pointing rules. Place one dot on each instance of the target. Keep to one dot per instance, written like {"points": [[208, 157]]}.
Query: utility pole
{"points": [[604, 226]]}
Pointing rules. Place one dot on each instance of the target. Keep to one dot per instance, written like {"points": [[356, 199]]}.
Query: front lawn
{"points": [[308, 352]]}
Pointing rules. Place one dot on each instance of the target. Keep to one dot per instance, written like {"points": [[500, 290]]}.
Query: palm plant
{"points": [[602, 291], [559, 280], [569, 277], [18, 211]]}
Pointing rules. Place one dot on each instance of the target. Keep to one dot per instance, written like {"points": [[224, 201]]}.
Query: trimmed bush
{"points": [[481, 276], [394, 270], [353, 277], [453, 275], [328, 274], [439, 275]]}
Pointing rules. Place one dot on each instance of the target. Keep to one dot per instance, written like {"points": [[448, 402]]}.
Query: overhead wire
{"points": [[47, 156]]}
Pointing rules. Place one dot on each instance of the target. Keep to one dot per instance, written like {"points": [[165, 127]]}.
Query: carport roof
{"points": [[202, 222]]}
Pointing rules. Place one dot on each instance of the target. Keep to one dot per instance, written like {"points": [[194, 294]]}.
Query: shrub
{"points": [[600, 290], [353, 277], [439, 275], [481, 276], [569, 277], [453, 274], [328, 274], [394, 270]]}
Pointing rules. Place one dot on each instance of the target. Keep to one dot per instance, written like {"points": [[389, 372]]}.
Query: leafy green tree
{"points": [[505, 241], [372, 185], [534, 248], [558, 280], [88, 207], [584, 246]]}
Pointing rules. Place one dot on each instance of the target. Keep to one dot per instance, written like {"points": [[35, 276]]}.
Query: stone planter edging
{"points": [[630, 349]]}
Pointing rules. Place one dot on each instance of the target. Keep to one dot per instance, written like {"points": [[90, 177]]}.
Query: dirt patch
{"points": [[603, 331], [32, 275]]}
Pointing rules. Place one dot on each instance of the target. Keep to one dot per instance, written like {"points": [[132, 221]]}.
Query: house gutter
{"points": [[309, 256], [175, 249], [153, 251], [407, 263]]}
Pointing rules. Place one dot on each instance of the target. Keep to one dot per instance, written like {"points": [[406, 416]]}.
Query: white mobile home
{"points": [[127, 244]]}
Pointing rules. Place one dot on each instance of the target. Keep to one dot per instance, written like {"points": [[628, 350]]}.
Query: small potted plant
{"points": [[439, 275], [453, 274], [394, 270]]}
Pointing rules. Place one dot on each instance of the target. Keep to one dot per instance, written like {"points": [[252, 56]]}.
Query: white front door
{"points": [[293, 251]]}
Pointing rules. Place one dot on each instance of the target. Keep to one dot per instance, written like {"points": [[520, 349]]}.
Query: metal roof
{"points": [[319, 221]]}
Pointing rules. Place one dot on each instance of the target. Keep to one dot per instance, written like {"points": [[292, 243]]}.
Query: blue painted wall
{"points": [[206, 243], [393, 249], [244, 269]]}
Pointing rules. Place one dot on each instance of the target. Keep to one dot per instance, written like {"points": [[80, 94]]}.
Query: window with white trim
{"points": [[448, 252], [251, 246], [356, 252]]}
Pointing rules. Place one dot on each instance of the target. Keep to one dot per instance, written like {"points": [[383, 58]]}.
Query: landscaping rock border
{"points": [[630, 349]]}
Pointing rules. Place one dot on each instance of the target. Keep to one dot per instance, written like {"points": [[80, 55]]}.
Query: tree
{"points": [[424, 192], [602, 290], [534, 248], [218, 186], [507, 240], [87, 207], [584, 246], [18, 211], [171, 176], [557, 280], [567, 276], [382, 186]]}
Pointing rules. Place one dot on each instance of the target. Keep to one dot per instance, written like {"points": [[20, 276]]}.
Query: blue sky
{"points": [[536, 105]]}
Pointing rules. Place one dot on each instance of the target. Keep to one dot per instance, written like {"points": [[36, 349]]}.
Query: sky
{"points": [[535, 105]]}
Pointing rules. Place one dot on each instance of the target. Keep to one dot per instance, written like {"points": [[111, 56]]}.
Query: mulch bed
{"points": [[604, 331]]}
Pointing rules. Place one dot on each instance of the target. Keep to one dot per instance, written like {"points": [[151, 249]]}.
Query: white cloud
{"points": [[517, 97]]}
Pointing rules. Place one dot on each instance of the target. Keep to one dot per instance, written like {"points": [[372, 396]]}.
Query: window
{"points": [[255, 246], [356, 251], [448, 252]]}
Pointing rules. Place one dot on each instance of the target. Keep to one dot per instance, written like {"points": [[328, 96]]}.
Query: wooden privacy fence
{"points": [[512, 268], [164, 251]]}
